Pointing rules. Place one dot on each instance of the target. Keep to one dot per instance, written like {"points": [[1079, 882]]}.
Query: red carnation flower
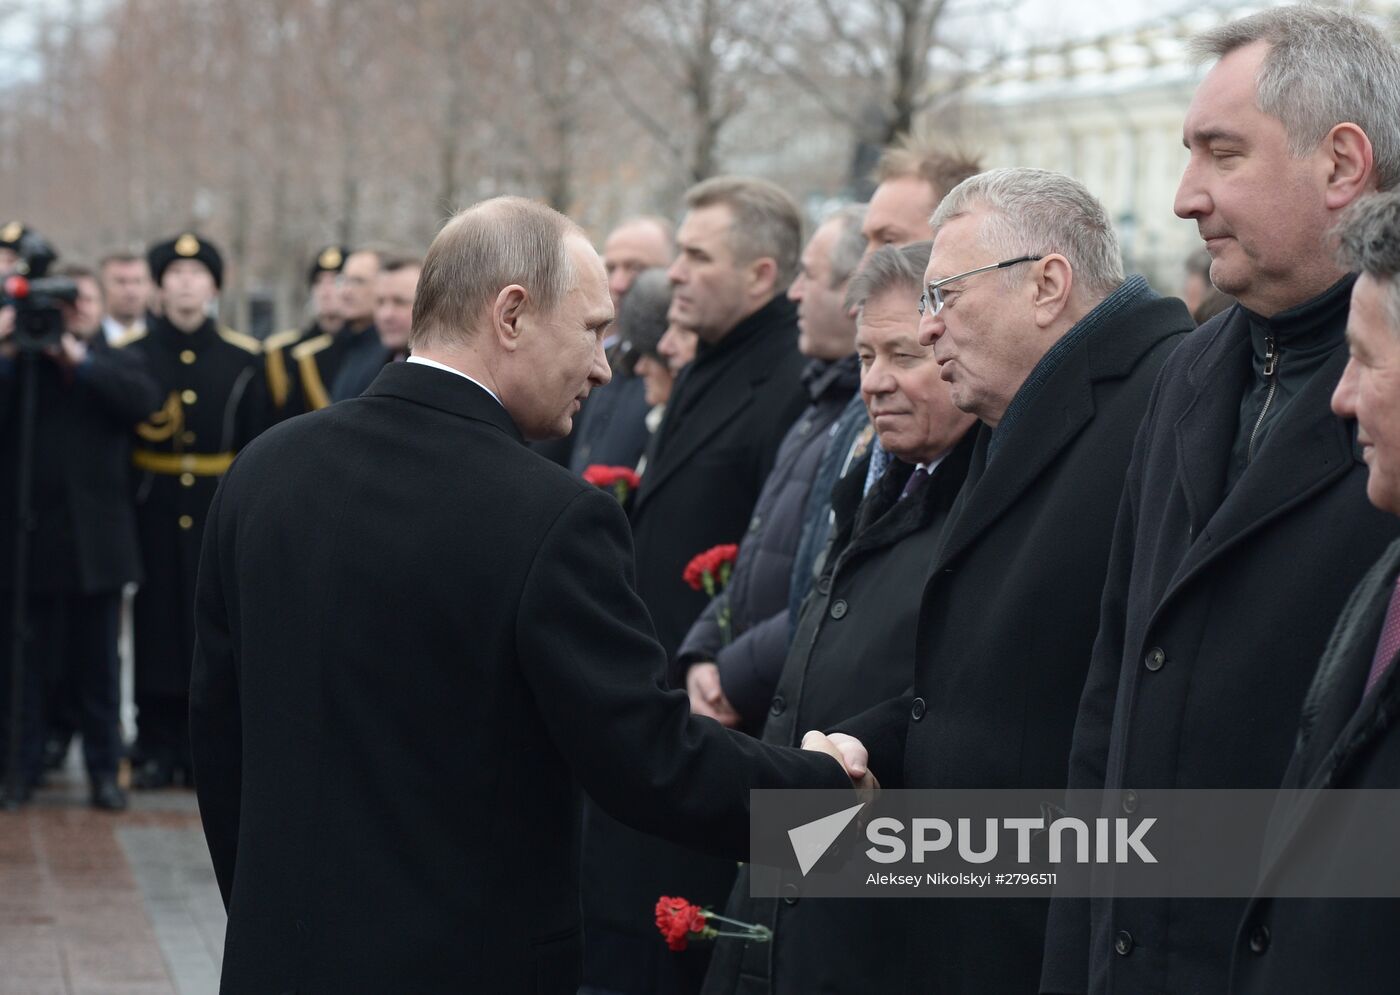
{"points": [[623, 480], [680, 922]]}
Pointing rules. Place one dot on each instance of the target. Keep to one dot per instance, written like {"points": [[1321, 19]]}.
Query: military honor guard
{"points": [[302, 363], [213, 402]]}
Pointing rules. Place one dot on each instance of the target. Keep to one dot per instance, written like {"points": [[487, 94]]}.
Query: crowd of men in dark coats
{"points": [[1005, 516]]}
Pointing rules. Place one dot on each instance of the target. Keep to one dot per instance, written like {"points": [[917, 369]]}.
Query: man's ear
{"points": [[1054, 280], [763, 276], [1352, 164], [506, 312]]}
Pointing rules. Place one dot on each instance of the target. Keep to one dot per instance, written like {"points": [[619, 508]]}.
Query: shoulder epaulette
{"points": [[245, 342], [312, 346], [124, 340], [281, 340]]}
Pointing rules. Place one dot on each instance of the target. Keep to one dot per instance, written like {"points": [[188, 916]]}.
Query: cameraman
{"points": [[83, 545]]}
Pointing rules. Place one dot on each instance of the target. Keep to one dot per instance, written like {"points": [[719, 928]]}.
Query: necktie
{"points": [[1389, 643], [919, 477]]}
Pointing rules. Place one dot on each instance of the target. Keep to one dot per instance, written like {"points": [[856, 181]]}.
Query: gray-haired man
{"points": [[1244, 524], [1039, 335]]}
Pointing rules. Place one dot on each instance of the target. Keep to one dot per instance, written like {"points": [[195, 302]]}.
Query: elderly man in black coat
{"points": [[1348, 737], [738, 252], [417, 639], [1040, 336], [864, 653], [1243, 527]]}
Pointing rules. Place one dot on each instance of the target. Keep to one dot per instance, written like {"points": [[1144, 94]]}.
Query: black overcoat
{"points": [[1349, 742], [417, 638], [1008, 620], [84, 525], [880, 557], [1215, 614], [705, 468]]}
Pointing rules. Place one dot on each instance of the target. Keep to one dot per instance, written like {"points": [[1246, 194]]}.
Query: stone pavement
{"points": [[94, 903]]}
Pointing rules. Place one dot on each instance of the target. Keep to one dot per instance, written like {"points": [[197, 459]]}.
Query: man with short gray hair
{"points": [[1039, 335], [706, 465], [392, 737], [1347, 738], [862, 654], [1244, 524]]}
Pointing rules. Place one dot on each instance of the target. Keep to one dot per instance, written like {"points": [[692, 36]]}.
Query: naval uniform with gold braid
{"points": [[214, 403], [301, 365]]}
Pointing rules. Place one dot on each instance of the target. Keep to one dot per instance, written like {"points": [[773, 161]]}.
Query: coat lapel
{"points": [[692, 431], [1206, 429], [1309, 449], [1336, 722], [1064, 407]]}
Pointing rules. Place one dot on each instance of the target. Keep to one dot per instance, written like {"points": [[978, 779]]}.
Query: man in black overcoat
{"points": [[82, 543], [1244, 526], [738, 250], [1041, 337], [417, 639], [1347, 737], [864, 654]]}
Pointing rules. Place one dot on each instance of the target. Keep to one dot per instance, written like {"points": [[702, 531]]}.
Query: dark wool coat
{"points": [[757, 596], [880, 558], [1215, 613], [1008, 620], [417, 640], [707, 463], [1336, 945]]}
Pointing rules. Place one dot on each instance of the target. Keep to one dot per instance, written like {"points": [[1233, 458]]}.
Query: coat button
{"points": [[188, 438], [917, 710], [824, 584], [790, 894], [1123, 943], [186, 480], [1130, 801], [1259, 940], [839, 609], [754, 523], [187, 356], [803, 427], [186, 522], [778, 706], [1154, 659], [188, 396]]}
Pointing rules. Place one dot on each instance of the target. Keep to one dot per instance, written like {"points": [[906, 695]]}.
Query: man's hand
{"points": [[850, 753], [7, 329], [707, 695], [70, 351]]}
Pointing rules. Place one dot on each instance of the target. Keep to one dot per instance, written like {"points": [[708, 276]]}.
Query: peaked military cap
{"points": [[186, 245]]}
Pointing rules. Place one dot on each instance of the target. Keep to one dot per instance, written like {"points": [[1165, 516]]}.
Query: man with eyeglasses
{"points": [[1039, 335]]}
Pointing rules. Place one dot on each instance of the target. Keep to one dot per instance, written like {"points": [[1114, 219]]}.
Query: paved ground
{"points": [[93, 903]]}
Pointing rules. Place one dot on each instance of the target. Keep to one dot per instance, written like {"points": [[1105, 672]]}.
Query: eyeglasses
{"points": [[935, 289]]}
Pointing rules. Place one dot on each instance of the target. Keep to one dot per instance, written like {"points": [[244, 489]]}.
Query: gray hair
{"points": [[849, 248], [1323, 67], [489, 246], [890, 267], [641, 317], [1037, 212], [1368, 242], [767, 221]]}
